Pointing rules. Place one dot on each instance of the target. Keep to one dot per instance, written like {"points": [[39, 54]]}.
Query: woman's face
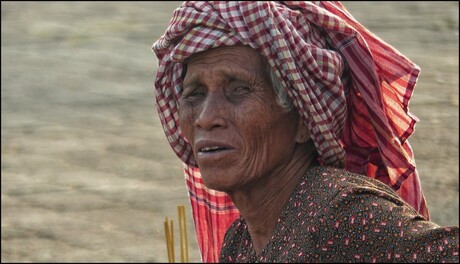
{"points": [[228, 113]]}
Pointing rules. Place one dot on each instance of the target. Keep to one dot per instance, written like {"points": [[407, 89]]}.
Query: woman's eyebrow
{"points": [[193, 82], [233, 78], [243, 77], [229, 76]]}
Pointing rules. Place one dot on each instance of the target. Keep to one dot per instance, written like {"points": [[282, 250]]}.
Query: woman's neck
{"points": [[262, 203]]}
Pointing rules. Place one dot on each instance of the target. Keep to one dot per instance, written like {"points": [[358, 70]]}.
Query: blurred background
{"points": [[87, 174]]}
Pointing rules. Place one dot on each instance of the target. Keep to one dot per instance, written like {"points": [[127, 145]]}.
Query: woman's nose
{"points": [[211, 114]]}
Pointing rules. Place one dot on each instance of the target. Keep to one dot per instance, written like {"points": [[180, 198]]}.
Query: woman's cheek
{"points": [[186, 121], [256, 145]]}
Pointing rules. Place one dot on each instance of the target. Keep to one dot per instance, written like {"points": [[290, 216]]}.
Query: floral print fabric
{"points": [[337, 216]]}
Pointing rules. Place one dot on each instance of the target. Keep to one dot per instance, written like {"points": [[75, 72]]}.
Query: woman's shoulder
{"points": [[361, 211], [342, 177], [334, 189], [333, 182], [236, 242]]}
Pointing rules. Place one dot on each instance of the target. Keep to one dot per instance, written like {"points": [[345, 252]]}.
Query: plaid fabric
{"points": [[351, 88]]}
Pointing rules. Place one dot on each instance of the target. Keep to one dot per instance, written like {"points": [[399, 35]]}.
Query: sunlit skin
{"points": [[245, 144]]}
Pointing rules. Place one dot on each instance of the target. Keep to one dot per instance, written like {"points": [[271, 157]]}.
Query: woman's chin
{"points": [[216, 182]]}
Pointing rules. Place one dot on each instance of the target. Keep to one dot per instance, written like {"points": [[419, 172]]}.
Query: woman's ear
{"points": [[302, 135]]}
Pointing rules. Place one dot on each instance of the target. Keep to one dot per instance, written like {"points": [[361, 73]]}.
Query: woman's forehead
{"points": [[233, 53], [226, 60]]}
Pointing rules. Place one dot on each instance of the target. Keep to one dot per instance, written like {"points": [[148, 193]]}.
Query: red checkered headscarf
{"points": [[351, 88]]}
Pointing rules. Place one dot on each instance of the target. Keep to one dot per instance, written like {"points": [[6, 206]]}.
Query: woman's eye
{"points": [[194, 95], [242, 90]]}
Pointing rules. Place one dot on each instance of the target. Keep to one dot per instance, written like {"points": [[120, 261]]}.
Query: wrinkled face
{"points": [[228, 113]]}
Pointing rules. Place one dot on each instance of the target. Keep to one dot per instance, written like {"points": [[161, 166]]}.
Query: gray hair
{"points": [[282, 98]]}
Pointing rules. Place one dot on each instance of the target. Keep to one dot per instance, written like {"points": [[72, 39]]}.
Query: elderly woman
{"points": [[291, 120]]}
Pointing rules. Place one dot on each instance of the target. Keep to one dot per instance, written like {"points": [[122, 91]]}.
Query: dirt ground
{"points": [[87, 174]]}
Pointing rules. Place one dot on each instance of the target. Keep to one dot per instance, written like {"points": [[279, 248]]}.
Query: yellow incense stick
{"points": [[181, 229], [172, 242], [185, 234], [168, 243], [169, 234]]}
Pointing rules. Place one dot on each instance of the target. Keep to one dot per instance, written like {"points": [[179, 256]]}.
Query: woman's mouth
{"points": [[211, 149], [208, 151]]}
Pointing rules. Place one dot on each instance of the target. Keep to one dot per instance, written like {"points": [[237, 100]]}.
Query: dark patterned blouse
{"points": [[337, 216]]}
